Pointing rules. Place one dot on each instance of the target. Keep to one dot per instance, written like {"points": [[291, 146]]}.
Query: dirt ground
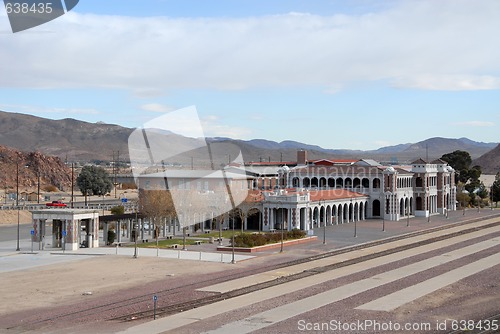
{"points": [[10, 217], [67, 283]]}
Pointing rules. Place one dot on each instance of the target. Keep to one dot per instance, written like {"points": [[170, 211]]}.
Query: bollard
{"points": [[200, 256]]}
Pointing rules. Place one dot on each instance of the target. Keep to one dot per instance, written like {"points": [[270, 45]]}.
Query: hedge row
{"points": [[261, 239]]}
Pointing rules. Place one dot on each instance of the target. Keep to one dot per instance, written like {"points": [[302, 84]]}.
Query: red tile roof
{"points": [[257, 196], [333, 194]]}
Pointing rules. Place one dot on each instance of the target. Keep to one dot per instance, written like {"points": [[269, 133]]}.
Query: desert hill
{"points": [[489, 162]]}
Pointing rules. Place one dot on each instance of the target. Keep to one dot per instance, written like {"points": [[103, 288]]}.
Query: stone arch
{"points": [[376, 208]]}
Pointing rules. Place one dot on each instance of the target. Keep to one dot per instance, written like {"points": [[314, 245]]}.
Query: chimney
{"points": [[301, 158]]}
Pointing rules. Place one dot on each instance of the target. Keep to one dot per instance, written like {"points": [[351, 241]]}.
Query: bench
{"points": [[198, 242], [174, 246], [169, 237]]}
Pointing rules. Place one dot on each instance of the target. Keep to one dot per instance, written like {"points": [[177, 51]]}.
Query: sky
{"points": [[357, 74]]}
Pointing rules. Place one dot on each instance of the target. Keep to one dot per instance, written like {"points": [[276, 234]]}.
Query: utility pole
{"points": [[72, 183]]}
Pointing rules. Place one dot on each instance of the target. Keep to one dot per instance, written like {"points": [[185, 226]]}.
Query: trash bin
{"points": [[211, 240]]}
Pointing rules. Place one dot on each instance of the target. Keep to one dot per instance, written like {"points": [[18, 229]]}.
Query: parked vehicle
{"points": [[57, 204]]}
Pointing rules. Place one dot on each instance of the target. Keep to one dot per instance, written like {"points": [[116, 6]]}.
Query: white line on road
{"points": [[401, 297], [277, 314]]}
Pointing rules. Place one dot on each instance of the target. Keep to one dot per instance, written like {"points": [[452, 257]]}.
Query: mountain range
{"points": [[74, 140]]}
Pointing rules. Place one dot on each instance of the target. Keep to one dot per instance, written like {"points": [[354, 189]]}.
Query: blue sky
{"points": [[340, 74]]}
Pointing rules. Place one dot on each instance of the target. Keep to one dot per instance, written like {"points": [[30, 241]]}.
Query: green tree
{"points": [[157, 205], [495, 189], [118, 210], [459, 160], [94, 180]]}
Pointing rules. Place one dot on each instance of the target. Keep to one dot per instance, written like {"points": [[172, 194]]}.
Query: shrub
{"points": [[260, 239], [118, 210], [111, 237], [50, 188], [130, 185]]}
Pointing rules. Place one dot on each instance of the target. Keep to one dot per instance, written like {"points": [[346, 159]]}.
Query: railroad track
{"points": [[191, 304], [195, 303]]}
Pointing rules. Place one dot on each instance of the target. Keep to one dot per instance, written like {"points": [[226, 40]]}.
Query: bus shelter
{"points": [[71, 228]]}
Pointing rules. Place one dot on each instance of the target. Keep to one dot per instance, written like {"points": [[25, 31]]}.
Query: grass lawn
{"points": [[166, 243], [225, 234]]}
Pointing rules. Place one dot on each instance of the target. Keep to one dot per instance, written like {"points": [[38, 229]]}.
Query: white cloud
{"points": [[31, 109], [450, 82], [213, 127], [475, 124], [382, 143], [157, 107], [445, 45]]}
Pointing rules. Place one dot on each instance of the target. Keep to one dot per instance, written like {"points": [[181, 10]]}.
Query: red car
{"points": [[58, 204]]}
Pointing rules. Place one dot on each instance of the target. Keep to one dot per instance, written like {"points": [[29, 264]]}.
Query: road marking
{"points": [[401, 297], [298, 268], [204, 312], [281, 313]]}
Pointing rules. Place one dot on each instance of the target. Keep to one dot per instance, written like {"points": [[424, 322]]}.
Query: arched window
{"points": [[331, 182], [306, 182], [340, 182]]}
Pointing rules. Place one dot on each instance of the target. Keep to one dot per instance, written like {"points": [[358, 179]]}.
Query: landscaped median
{"points": [[256, 242]]}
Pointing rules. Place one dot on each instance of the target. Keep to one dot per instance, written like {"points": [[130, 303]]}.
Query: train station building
{"points": [[308, 194]]}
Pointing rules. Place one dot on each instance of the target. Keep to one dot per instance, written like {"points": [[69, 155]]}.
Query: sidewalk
{"points": [[336, 236]]}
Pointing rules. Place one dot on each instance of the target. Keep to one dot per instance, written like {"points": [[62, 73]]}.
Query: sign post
{"points": [[32, 232], [155, 300], [64, 240]]}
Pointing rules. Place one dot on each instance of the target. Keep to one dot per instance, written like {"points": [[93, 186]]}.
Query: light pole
{"points": [[17, 203], [281, 224], [355, 223], [221, 220], [382, 211], [491, 195], [430, 205], [408, 212], [232, 243], [72, 183], [135, 233], [324, 225]]}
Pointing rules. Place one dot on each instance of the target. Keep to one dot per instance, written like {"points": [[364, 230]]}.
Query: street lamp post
{"points": [[382, 211], [324, 223], [281, 226], [221, 220], [408, 213], [430, 205], [135, 233], [17, 203], [355, 226], [232, 244], [491, 195], [72, 183]]}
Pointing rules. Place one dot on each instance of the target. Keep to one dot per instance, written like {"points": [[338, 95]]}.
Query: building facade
{"points": [[311, 194]]}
